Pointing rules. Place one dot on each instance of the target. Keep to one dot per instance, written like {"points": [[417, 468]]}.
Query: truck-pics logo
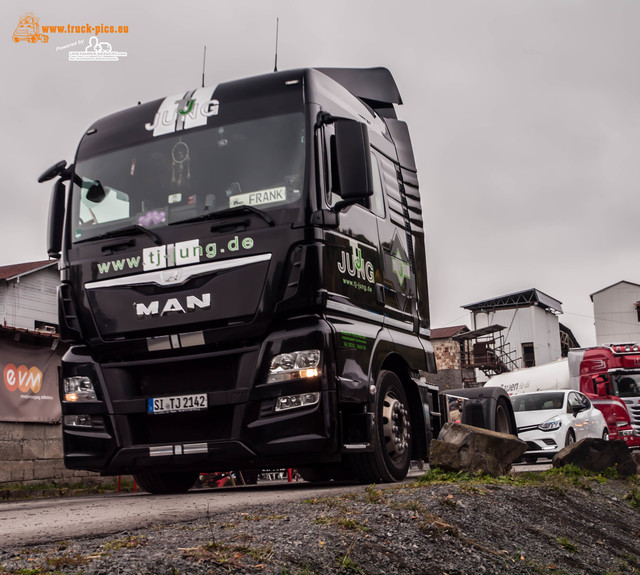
{"points": [[29, 30], [22, 378], [184, 111], [173, 305]]}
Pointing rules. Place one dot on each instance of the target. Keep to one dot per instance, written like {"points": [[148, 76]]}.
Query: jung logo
{"points": [[181, 112], [173, 305]]}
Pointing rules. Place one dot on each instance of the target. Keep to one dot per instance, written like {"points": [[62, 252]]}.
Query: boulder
{"points": [[461, 447], [597, 455]]}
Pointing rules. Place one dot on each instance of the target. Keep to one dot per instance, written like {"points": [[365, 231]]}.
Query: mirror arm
{"points": [[342, 204]]}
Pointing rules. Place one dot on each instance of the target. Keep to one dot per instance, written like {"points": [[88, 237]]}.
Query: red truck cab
{"points": [[610, 376]]}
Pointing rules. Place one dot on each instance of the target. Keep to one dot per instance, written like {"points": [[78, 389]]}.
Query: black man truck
{"points": [[244, 285]]}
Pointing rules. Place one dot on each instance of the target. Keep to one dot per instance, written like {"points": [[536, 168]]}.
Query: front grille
{"points": [[153, 379], [634, 410], [212, 424]]}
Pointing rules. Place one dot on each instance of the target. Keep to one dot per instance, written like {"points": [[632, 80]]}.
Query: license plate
{"points": [[177, 403]]}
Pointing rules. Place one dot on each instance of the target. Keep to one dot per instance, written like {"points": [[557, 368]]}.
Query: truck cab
{"points": [[609, 375], [243, 284]]}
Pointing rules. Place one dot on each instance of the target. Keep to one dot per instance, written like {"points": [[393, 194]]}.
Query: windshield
{"points": [[626, 385], [191, 174], [538, 401]]}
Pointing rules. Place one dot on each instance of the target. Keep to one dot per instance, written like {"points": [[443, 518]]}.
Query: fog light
{"points": [[79, 388], [77, 421], [294, 365], [294, 401]]}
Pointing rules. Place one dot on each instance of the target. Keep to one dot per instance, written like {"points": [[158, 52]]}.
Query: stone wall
{"points": [[447, 352], [32, 453]]}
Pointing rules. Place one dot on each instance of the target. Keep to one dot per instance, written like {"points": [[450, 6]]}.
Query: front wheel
{"points": [[389, 461], [163, 483], [570, 438]]}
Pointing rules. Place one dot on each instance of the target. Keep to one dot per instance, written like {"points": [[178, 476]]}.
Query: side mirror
{"points": [[56, 220], [352, 160], [600, 385], [57, 169]]}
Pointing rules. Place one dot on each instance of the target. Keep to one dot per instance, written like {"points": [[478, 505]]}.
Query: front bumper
{"points": [[239, 429], [543, 443]]}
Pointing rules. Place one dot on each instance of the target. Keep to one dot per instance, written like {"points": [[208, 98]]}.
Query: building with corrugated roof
{"points": [[28, 296], [516, 330], [616, 312]]}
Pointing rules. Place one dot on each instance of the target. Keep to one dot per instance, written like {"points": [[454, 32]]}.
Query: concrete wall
{"points": [[32, 453]]}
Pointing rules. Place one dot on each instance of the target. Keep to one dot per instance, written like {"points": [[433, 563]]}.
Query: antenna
{"points": [[275, 65], [204, 58]]}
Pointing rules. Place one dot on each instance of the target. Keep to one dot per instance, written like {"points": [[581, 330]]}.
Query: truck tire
{"points": [[502, 424], [162, 483], [485, 407], [389, 461]]}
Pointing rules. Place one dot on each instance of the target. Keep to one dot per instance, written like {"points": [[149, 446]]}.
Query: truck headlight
{"points": [[79, 388], [294, 365], [551, 424]]}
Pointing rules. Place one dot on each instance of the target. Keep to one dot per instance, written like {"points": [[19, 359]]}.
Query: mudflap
{"points": [[488, 408]]}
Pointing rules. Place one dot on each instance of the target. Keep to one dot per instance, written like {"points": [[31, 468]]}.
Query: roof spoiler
{"points": [[375, 86]]}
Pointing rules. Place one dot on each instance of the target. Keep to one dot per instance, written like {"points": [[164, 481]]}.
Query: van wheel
{"points": [[392, 442], [162, 483], [571, 438], [605, 434]]}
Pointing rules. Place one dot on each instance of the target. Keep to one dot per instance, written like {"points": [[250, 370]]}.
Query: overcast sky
{"points": [[524, 114]]}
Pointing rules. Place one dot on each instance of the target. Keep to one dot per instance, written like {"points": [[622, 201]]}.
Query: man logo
{"points": [[173, 305]]}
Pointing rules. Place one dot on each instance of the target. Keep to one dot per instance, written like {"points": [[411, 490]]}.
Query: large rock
{"points": [[597, 455], [461, 447]]}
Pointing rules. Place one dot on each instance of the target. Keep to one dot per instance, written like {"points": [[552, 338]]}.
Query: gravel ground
{"points": [[552, 524]]}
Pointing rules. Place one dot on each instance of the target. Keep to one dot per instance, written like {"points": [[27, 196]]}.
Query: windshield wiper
{"points": [[132, 229], [241, 209]]}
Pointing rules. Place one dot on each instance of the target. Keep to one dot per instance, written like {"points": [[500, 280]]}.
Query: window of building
{"points": [[528, 355]]}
